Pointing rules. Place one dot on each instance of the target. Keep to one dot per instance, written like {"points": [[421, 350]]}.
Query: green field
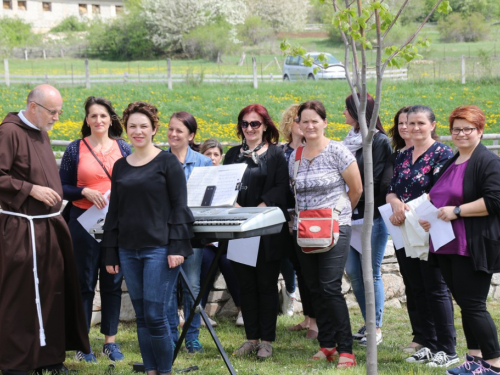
{"points": [[292, 352], [216, 106]]}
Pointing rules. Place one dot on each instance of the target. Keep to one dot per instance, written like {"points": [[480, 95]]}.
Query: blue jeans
{"points": [[150, 282], [354, 271], [192, 269]]}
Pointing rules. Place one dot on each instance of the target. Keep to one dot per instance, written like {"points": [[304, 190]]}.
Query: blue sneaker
{"points": [[468, 366], [483, 369], [89, 358], [113, 352], [194, 346]]}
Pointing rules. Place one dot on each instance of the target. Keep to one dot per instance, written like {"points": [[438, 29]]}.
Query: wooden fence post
{"points": [[87, 74], [254, 64], [26, 54], [6, 72], [44, 55], [125, 78], [463, 70], [169, 74], [46, 79]]}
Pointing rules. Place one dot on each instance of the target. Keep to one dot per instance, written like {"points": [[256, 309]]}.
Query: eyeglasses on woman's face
{"points": [[253, 124], [466, 131]]}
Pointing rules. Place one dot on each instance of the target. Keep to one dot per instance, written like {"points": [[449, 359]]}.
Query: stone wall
{"points": [[220, 302]]}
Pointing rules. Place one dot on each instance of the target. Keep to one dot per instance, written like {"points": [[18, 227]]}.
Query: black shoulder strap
{"points": [[96, 158]]}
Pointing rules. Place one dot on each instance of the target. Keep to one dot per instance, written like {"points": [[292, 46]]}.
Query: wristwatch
{"points": [[457, 211]]}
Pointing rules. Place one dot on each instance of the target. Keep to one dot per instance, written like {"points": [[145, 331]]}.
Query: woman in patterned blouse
{"points": [[415, 171]]}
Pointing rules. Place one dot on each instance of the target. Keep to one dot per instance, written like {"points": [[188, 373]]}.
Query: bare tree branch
{"points": [[411, 37], [395, 18], [346, 47]]}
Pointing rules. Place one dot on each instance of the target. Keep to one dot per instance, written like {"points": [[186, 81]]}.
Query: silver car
{"points": [[294, 68]]}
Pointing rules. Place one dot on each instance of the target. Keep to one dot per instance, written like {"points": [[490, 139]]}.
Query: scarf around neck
{"points": [[246, 152]]}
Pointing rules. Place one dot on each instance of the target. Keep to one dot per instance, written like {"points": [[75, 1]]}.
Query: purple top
{"points": [[449, 191]]}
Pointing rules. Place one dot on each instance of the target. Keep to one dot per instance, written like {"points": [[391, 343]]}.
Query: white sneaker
{"points": [[288, 302], [441, 359], [364, 340], [239, 320], [422, 356], [213, 323]]}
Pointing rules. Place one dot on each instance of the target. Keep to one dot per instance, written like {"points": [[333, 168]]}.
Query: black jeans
{"points": [[470, 289], [411, 304], [434, 305], [88, 266], [305, 294], [259, 297], [323, 274]]}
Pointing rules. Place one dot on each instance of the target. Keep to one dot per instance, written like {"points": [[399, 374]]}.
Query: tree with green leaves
{"points": [[365, 25]]}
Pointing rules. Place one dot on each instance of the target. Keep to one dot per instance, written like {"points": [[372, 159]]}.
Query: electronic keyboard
{"points": [[229, 222]]}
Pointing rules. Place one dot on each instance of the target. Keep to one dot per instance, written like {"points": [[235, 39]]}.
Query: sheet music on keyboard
{"points": [[226, 178]]}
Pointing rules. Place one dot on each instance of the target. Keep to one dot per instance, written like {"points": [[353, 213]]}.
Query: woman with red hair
{"points": [[264, 183], [467, 194]]}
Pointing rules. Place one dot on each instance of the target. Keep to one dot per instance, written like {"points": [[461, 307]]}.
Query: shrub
{"points": [[14, 32], [456, 28], [254, 31], [70, 24], [124, 38], [210, 41]]}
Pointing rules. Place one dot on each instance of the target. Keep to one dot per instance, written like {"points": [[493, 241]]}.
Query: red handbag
{"points": [[317, 229]]}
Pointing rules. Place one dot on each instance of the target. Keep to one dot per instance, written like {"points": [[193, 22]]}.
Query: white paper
{"points": [[394, 231], [226, 178], [244, 250], [441, 231], [356, 235], [416, 239], [94, 216]]}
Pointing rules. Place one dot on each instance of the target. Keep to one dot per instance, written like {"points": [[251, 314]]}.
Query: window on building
{"points": [[21, 5], [82, 8], [47, 6], [96, 9], [118, 9], [7, 4]]}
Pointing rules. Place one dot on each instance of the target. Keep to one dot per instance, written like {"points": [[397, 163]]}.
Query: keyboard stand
{"points": [[198, 309]]}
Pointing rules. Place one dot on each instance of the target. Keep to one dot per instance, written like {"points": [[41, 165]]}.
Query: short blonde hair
{"points": [[287, 120]]}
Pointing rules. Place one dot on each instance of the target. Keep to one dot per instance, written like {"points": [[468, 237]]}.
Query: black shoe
{"points": [[54, 369]]}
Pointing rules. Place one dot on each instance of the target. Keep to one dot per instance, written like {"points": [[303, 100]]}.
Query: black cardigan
{"points": [[481, 180], [381, 150], [275, 192]]}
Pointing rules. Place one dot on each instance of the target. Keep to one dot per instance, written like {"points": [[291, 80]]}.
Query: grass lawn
{"points": [[292, 351], [216, 106]]}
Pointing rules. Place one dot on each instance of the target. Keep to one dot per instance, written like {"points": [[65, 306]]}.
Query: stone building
{"points": [[43, 15]]}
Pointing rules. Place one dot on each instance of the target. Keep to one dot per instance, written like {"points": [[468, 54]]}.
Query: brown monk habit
{"points": [[26, 159]]}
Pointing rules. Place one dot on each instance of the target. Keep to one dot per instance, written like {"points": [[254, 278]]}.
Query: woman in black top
{"points": [[150, 226], [265, 183]]}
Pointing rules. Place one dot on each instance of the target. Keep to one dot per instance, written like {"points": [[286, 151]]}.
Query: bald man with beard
{"points": [[41, 312]]}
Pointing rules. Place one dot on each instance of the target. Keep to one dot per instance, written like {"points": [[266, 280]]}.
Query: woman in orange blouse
{"points": [[85, 173]]}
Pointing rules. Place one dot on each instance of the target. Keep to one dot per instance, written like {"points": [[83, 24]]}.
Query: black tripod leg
{"points": [[197, 308]]}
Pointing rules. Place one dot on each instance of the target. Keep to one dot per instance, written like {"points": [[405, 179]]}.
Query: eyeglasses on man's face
{"points": [[466, 131], [253, 124], [53, 112]]}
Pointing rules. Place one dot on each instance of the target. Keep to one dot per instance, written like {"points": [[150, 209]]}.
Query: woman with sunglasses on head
{"points": [[290, 266], [182, 129], [326, 169], [85, 173], [213, 149], [415, 171], [147, 232], [467, 193], [264, 183], [381, 150]]}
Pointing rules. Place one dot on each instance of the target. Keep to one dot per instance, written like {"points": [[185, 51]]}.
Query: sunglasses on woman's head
{"points": [[253, 124]]}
